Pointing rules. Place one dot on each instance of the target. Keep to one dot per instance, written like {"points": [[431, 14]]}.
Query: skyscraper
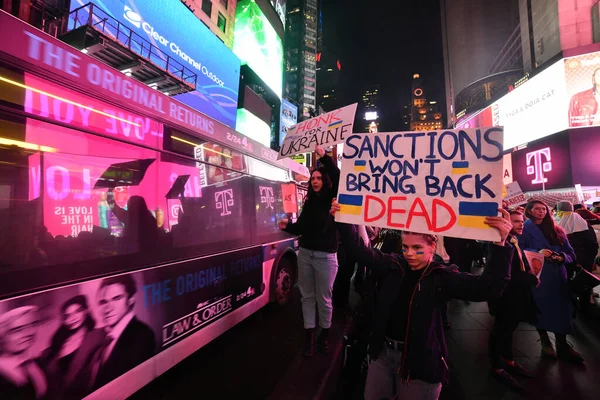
{"points": [[218, 15], [474, 33], [301, 56], [425, 114], [368, 108]]}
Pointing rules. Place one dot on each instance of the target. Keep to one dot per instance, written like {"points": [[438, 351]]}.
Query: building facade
{"points": [[217, 15], [474, 33], [301, 55], [425, 114], [368, 109], [258, 42]]}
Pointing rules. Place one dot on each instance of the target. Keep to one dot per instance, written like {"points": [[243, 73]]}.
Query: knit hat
{"points": [[565, 206]]}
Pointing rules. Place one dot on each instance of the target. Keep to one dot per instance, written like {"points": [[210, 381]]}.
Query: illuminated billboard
{"points": [[371, 115], [533, 110], [257, 44], [582, 75], [289, 117], [173, 29], [253, 127], [279, 6]]}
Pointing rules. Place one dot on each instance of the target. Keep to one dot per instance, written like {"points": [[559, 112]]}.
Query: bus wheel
{"points": [[284, 282]]}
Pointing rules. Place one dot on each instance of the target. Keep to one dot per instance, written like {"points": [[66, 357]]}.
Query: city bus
{"points": [[129, 237]]}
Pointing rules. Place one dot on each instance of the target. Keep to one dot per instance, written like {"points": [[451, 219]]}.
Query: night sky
{"points": [[385, 42]]}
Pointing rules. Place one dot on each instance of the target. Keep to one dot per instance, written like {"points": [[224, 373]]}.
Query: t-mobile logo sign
{"points": [[224, 200], [266, 196], [538, 162]]}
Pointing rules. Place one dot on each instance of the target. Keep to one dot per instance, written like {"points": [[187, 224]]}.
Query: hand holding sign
{"points": [[320, 151]]}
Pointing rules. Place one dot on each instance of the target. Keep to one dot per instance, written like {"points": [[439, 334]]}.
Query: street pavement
{"points": [[261, 359]]}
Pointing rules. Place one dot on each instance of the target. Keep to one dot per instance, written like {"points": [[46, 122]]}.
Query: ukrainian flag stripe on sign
{"points": [[352, 210], [350, 199], [472, 214]]}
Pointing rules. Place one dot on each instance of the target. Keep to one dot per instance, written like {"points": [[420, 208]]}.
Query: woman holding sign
{"points": [[407, 343], [317, 258], [553, 297]]}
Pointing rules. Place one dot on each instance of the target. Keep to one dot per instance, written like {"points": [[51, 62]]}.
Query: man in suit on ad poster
{"points": [[129, 341]]}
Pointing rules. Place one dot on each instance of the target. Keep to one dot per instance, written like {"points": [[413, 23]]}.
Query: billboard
{"points": [[533, 110], [279, 6], [257, 44], [187, 41], [544, 163], [289, 117], [582, 76]]}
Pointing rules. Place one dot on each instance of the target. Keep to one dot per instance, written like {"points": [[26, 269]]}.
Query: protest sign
{"points": [[535, 261], [440, 182], [324, 130], [514, 195]]}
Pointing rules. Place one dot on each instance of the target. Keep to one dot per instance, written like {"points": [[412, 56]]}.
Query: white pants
{"points": [[382, 377], [316, 274]]}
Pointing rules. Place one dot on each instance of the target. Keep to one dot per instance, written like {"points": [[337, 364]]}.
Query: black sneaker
{"points": [[519, 370], [505, 378]]}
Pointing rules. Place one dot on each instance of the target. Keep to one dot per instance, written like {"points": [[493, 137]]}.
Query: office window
{"points": [[221, 22], [223, 3], [207, 7]]}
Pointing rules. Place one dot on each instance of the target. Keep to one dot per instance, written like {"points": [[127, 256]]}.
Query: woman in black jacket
{"points": [[407, 340], [317, 258]]}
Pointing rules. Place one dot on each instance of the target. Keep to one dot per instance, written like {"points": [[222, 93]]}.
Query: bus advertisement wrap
{"points": [[111, 325], [189, 42]]}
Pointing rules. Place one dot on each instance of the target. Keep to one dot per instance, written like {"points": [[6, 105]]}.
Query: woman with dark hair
{"points": [[407, 341], [67, 362], [317, 258], [552, 296]]}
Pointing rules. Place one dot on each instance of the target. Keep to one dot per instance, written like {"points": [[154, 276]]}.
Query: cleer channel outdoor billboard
{"points": [[174, 29]]}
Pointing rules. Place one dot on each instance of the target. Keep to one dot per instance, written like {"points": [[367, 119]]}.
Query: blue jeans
{"points": [[316, 274], [383, 382]]}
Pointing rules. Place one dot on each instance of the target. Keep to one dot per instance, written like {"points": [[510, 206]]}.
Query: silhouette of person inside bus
{"points": [[68, 360], [140, 233], [129, 342], [20, 375]]}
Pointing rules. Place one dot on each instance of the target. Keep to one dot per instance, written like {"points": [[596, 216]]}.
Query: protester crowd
{"points": [[406, 279]]}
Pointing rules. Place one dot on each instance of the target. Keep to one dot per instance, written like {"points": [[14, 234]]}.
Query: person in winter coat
{"points": [[582, 238], [552, 296], [514, 306], [407, 343], [317, 258]]}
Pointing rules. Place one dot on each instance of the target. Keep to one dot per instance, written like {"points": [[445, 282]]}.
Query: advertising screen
{"points": [[533, 110], [279, 6], [289, 117], [173, 29], [258, 45], [582, 75], [584, 147], [481, 119], [545, 163]]}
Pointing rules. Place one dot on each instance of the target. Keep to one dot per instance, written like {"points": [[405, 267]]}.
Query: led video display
{"points": [[257, 44], [175, 31]]}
